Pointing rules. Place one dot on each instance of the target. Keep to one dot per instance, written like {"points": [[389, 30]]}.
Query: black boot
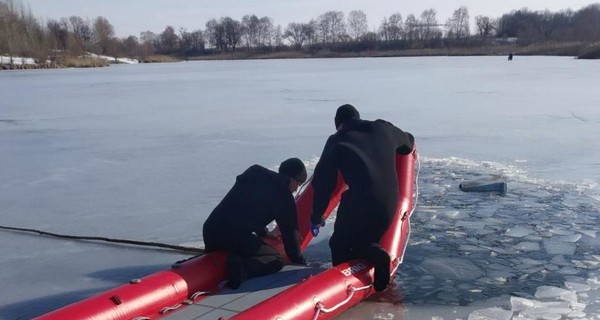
{"points": [[381, 260], [235, 271]]}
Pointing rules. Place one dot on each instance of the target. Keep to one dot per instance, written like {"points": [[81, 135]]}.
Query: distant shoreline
{"points": [[575, 49], [581, 50]]}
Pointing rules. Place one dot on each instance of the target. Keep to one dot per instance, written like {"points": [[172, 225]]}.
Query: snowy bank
{"points": [[16, 60], [112, 59]]}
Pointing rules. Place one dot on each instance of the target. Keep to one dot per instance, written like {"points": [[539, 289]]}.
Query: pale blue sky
{"points": [[130, 17]]}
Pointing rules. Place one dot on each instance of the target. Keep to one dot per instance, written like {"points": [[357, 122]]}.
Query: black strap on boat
{"points": [[123, 241]]}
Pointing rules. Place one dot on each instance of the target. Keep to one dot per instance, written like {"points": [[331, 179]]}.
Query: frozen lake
{"points": [[145, 152]]}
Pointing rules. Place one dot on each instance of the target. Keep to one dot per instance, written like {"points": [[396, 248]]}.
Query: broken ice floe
{"points": [[539, 235]]}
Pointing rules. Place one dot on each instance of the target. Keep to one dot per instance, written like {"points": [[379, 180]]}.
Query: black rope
{"points": [[131, 242]]}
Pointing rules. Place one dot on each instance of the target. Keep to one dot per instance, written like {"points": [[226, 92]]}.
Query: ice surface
{"points": [[146, 151]]}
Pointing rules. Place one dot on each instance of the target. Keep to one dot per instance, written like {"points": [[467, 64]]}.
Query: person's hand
{"points": [[314, 228]]}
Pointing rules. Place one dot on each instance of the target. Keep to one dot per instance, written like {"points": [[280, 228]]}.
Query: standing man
{"points": [[365, 154], [235, 226]]}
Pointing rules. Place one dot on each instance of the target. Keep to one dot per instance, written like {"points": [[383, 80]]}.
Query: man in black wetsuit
{"points": [[235, 226], [365, 154]]}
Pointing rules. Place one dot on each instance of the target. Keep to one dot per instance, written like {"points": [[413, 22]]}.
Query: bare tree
{"points": [[485, 25], [278, 36], [168, 41], [233, 32], [266, 31], [458, 24], [191, 43], [257, 32], [392, 28], [331, 26], [147, 36], [103, 32], [147, 48], [429, 25], [357, 24], [215, 34], [81, 29], [250, 25], [312, 33], [8, 29], [130, 46], [297, 33], [58, 34], [411, 28], [587, 23], [20, 32]]}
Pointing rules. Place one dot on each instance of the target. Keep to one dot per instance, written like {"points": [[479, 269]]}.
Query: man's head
{"points": [[293, 168], [344, 113]]}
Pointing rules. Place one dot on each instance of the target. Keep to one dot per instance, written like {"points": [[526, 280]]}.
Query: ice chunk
{"points": [[555, 292], [577, 287], [553, 246], [491, 314], [471, 248], [457, 234], [471, 224], [493, 183], [450, 213], [570, 238], [594, 283], [519, 304], [577, 314], [498, 250], [540, 315], [527, 246], [589, 233], [546, 310], [568, 271], [518, 232], [560, 232]]}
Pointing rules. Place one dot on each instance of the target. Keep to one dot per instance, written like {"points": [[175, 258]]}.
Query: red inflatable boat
{"points": [[193, 289]]}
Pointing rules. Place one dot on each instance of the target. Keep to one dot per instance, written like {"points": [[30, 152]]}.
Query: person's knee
{"points": [[277, 264]]}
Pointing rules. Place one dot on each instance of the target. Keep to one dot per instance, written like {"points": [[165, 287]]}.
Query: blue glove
{"points": [[314, 228]]}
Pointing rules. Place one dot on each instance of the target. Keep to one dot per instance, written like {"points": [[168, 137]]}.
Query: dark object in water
{"points": [[492, 183]]}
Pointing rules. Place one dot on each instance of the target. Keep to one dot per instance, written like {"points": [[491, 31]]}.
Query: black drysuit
{"points": [[258, 197], [365, 154]]}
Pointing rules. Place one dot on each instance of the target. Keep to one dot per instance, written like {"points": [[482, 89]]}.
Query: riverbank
{"points": [[581, 50]]}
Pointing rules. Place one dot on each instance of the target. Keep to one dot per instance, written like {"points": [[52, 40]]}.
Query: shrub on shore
{"points": [[78, 62], [590, 52], [158, 58]]}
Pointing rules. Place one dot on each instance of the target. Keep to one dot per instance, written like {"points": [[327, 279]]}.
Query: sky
{"points": [[134, 16]]}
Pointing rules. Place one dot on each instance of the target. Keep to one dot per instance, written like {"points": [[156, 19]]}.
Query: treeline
{"points": [[21, 34]]}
